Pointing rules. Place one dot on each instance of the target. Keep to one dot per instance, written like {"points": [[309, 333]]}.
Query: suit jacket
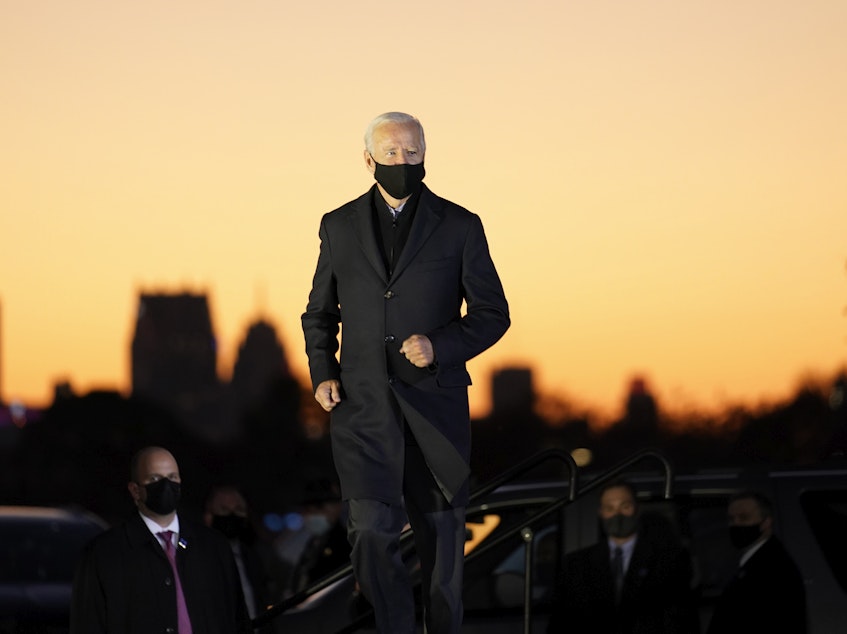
{"points": [[124, 583], [445, 260], [765, 595], [257, 577], [656, 597]]}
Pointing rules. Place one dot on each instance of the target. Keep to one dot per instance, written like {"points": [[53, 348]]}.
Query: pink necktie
{"points": [[183, 622]]}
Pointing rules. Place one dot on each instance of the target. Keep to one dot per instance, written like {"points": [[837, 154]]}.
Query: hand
{"points": [[418, 350], [328, 394]]}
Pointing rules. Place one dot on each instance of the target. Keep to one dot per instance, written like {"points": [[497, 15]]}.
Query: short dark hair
{"points": [[762, 501], [225, 487], [620, 483]]}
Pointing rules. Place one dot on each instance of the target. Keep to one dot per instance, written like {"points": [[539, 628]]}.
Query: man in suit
{"points": [[394, 268], [227, 512], [766, 594], [126, 583], [636, 580]]}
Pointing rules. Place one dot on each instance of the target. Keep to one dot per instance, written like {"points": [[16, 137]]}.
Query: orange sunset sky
{"points": [[662, 182]]}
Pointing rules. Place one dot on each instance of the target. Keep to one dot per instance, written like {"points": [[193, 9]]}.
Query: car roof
{"points": [[702, 482], [49, 513]]}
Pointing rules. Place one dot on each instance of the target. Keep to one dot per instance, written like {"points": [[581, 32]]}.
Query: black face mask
{"points": [[232, 525], [162, 496], [620, 525], [399, 180], [742, 536]]}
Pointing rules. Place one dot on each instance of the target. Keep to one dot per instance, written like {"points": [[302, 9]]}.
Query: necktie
{"points": [[246, 586], [183, 622], [617, 571]]}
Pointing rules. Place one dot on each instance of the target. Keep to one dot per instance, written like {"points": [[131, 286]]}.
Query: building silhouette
{"points": [[512, 391], [260, 363], [174, 359]]}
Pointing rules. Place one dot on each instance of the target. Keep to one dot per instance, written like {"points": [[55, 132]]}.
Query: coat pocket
{"points": [[456, 376]]}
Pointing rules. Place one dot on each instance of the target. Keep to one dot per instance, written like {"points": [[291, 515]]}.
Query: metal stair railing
{"points": [[524, 529]]}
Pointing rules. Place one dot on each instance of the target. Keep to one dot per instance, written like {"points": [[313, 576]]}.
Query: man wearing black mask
{"points": [[635, 580], [158, 571], [227, 512], [395, 267], [766, 594]]}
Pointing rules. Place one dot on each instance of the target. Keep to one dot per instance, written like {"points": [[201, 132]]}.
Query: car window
{"points": [[826, 512], [714, 559], [41, 551], [478, 528], [497, 580]]}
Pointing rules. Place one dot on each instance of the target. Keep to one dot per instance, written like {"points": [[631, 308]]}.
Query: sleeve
{"points": [[322, 317], [487, 316]]}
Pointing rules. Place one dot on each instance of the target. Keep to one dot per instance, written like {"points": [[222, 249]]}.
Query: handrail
{"points": [[522, 467], [508, 475], [524, 529], [596, 483], [504, 478]]}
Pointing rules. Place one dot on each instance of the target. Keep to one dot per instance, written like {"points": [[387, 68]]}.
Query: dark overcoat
{"points": [[444, 263], [656, 597], [766, 594], [124, 583]]}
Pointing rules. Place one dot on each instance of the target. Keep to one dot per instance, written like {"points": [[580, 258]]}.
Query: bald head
{"points": [[154, 472], [146, 461]]}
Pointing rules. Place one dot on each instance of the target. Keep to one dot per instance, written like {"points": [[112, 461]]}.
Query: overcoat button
{"points": [[389, 294]]}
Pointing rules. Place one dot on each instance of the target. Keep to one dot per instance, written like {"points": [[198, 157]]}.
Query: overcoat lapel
{"points": [[139, 536], [363, 227], [426, 220]]}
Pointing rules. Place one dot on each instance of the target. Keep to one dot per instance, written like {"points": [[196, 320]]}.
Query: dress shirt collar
{"points": [[626, 550], [745, 557], [154, 528], [396, 211]]}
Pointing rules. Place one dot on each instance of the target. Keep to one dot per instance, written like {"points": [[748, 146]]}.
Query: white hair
{"points": [[391, 117]]}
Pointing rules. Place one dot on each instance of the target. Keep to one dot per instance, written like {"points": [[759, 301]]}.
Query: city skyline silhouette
{"points": [[660, 186]]}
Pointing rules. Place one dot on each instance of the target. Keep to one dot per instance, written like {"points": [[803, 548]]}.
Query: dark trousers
{"points": [[374, 529]]}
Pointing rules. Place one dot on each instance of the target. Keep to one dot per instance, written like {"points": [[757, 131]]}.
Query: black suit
{"points": [[445, 260], [765, 595], [252, 572], [656, 597], [381, 299], [124, 583]]}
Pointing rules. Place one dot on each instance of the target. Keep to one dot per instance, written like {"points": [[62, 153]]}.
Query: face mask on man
{"points": [[162, 496], [232, 525], [620, 525], [742, 536], [399, 181]]}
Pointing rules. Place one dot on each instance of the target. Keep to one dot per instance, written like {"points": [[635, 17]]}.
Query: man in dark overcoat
{"points": [[635, 580], [395, 267], [125, 582], [767, 592]]}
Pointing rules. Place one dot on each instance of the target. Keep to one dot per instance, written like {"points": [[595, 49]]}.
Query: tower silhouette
{"points": [[174, 357], [512, 391], [261, 361]]}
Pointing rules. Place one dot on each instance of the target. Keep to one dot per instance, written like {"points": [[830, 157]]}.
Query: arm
{"points": [[321, 327], [487, 315]]}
